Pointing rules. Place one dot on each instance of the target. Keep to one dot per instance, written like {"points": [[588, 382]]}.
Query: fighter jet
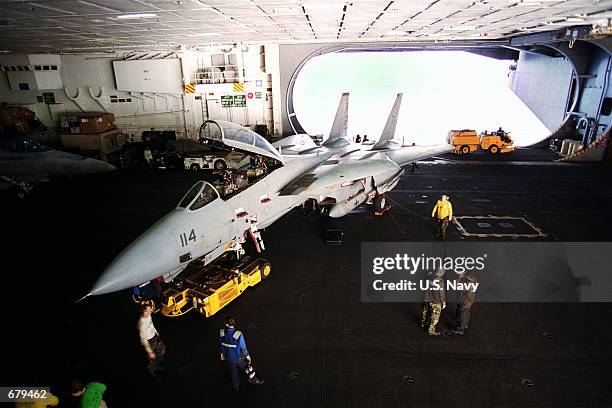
{"points": [[340, 175], [24, 163]]}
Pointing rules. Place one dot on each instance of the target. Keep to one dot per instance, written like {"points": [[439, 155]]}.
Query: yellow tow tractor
{"points": [[467, 140], [204, 288]]}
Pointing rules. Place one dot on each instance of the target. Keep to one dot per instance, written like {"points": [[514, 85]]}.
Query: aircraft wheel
{"points": [[195, 167], [379, 202], [220, 165], [21, 194], [265, 269], [494, 149], [465, 149]]}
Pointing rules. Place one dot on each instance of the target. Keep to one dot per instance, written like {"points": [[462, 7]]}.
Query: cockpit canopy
{"points": [[201, 194], [233, 135]]}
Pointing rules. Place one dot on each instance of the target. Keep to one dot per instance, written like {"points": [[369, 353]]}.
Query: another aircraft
{"points": [[339, 174], [23, 163]]}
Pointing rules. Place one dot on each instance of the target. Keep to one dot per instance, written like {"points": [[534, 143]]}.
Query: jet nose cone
{"points": [[147, 258]]}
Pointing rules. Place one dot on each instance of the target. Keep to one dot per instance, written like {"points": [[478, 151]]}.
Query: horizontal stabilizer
{"points": [[294, 144]]}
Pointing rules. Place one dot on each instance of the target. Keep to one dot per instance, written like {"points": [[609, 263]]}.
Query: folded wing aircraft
{"points": [[25, 163]]}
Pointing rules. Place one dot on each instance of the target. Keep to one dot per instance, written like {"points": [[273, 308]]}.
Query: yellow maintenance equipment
{"points": [[467, 140], [496, 142], [209, 288]]}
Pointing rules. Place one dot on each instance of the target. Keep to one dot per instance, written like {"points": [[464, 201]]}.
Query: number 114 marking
{"points": [[185, 238]]}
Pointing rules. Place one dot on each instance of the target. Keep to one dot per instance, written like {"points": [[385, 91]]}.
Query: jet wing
{"points": [[408, 154], [330, 177], [48, 162], [332, 173]]}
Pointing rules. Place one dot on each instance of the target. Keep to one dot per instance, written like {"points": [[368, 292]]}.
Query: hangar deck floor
{"points": [[312, 339]]}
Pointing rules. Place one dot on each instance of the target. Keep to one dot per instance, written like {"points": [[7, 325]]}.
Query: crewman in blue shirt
{"points": [[234, 351]]}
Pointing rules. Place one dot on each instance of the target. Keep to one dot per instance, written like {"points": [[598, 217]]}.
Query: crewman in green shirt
{"points": [[91, 394]]}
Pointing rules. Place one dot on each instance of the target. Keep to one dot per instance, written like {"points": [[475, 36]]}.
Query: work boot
{"points": [[256, 380], [457, 331], [433, 333]]}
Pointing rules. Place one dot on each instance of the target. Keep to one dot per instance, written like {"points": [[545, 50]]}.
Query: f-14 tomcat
{"points": [[339, 174]]}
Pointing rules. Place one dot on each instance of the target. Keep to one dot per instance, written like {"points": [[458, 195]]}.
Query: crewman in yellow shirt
{"points": [[50, 400], [443, 214]]}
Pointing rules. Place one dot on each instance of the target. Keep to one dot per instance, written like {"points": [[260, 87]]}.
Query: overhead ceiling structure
{"points": [[83, 25]]}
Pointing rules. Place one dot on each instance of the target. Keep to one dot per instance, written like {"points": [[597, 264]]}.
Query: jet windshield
{"points": [[198, 196], [234, 135]]}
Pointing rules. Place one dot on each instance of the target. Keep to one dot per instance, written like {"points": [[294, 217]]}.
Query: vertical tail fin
{"points": [[389, 130], [338, 129]]}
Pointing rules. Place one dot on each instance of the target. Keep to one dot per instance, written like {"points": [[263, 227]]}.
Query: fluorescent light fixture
{"points": [[575, 19], [135, 16]]}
